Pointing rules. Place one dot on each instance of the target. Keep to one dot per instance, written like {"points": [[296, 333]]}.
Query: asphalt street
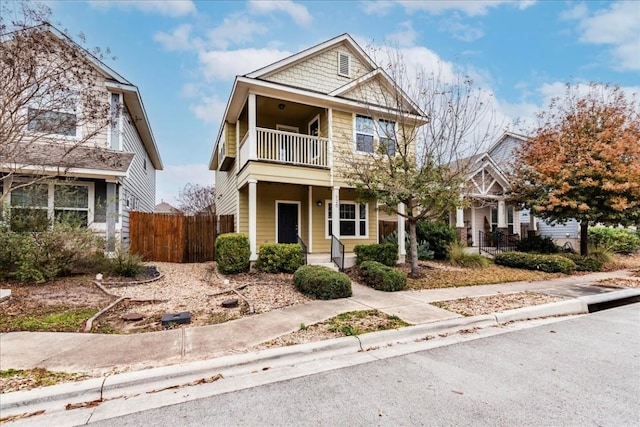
{"points": [[582, 371]]}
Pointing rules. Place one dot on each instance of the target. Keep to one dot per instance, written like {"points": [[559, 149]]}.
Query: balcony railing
{"points": [[286, 147]]}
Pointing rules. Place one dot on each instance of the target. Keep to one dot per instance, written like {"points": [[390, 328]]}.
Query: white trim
{"points": [[310, 219], [252, 214], [288, 202], [357, 220], [70, 172]]}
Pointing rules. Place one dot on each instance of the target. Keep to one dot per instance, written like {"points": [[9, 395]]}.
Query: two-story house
{"points": [[280, 151], [97, 169]]}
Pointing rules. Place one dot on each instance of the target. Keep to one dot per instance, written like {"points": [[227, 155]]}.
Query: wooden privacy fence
{"points": [[227, 224], [172, 238]]}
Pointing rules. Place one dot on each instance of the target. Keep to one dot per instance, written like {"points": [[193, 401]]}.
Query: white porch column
{"points": [[502, 223], [533, 225], [310, 219], [253, 150], [473, 225], [335, 213], [459, 218], [252, 219], [330, 144], [402, 249]]}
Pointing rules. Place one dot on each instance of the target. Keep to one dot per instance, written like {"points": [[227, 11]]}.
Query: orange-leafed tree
{"points": [[583, 160]]}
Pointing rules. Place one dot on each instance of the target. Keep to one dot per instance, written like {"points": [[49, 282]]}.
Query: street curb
{"points": [[130, 383]]}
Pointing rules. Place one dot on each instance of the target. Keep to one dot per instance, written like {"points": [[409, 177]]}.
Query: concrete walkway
{"points": [[75, 352]]}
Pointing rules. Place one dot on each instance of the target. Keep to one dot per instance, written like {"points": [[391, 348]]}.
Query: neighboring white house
{"points": [[488, 187], [107, 176]]}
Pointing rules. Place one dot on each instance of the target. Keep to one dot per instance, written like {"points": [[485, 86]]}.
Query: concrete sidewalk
{"points": [[77, 352]]}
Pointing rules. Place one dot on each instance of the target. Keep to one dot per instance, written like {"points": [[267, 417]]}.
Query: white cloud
{"points": [[236, 28], [173, 178], [178, 39], [299, 13], [173, 8], [618, 26], [468, 7], [377, 7], [404, 36], [209, 109], [461, 31], [222, 65]]}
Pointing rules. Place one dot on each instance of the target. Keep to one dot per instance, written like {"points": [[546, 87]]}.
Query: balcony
{"points": [[284, 147]]}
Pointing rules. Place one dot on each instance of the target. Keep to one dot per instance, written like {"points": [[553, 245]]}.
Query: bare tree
{"points": [[52, 112], [424, 139], [196, 199]]}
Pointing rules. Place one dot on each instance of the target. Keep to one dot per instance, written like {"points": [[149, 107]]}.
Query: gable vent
{"points": [[344, 64]]}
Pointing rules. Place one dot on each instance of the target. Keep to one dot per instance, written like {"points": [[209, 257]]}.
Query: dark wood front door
{"points": [[287, 223]]}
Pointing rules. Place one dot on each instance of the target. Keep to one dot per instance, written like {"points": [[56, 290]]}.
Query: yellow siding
{"points": [[244, 208], [320, 72], [268, 195], [225, 193], [231, 139]]}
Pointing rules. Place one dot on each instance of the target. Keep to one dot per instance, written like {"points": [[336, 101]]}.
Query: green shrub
{"points": [[279, 257], [601, 254], [232, 253], [538, 244], [588, 263], [41, 256], [125, 264], [437, 235], [322, 282], [542, 262], [614, 239], [382, 277], [384, 253], [460, 258]]}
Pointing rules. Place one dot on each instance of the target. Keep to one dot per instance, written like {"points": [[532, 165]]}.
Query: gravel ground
{"points": [[200, 290]]}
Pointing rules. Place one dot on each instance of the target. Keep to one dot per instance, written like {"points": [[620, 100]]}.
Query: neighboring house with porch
{"points": [[489, 214], [277, 156], [101, 178]]}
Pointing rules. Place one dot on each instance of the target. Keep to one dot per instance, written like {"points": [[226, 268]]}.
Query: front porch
{"points": [[327, 221]]}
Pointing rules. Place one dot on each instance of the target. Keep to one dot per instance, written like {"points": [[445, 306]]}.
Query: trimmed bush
{"points": [[322, 282], [384, 253], [547, 263], [279, 257], [538, 244], [438, 235], [125, 264], [382, 277], [588, 263], [232, 253], [614, 239]]}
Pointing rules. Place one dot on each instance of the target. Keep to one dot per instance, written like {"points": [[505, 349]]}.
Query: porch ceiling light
{"points": [[281, 106]]}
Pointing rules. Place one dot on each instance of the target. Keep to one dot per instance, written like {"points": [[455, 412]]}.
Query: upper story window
{"points": [[378, 134], [54, 114], [52, 122], [344, 64]]}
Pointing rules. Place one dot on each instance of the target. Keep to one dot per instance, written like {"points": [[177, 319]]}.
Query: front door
{"points": [[287, 223]]}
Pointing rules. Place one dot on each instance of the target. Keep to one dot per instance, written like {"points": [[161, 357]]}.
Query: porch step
{"points": [[330, 265]]}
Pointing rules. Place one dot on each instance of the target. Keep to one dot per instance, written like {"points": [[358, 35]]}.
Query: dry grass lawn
{"points": [[448, 278]]}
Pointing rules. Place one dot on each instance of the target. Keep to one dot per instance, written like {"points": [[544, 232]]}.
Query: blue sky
{"points": [[183, 55]]}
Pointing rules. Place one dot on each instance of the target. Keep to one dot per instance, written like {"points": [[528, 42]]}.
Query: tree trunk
{"points": [[413, 248], [584, 248]]}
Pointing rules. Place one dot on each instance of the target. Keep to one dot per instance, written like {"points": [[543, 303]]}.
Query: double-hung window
{"points": [[55, 114], [37, 206], [375, 135], [353, 219]]}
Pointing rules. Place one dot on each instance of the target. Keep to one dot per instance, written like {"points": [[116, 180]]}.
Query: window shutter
{"points": [[344, 64]]}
